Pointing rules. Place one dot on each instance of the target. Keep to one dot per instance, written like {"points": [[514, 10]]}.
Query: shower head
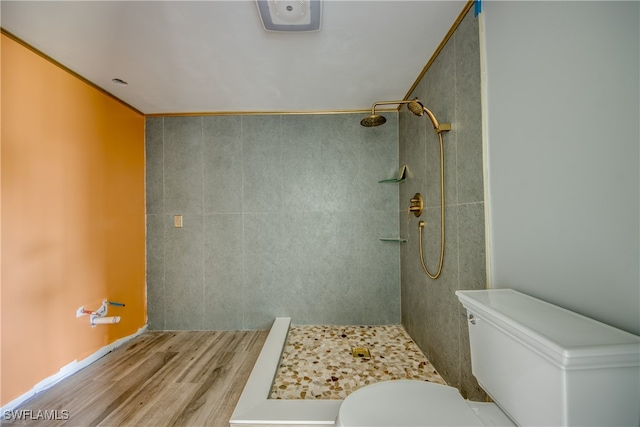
{"points": [[416, 107], [373, 120]]}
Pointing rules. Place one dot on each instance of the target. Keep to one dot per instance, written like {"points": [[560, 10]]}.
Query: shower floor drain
{"points": [[361, 352]]}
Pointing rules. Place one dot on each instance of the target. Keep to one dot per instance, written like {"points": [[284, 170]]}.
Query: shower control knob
{"points": [[409, 210], [415, 207]]}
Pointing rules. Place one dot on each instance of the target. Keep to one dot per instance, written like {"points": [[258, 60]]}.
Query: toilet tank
{"points": [[547, 366]]}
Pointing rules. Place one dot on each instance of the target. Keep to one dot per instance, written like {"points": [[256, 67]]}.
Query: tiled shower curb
{"points": [[254, 407]]}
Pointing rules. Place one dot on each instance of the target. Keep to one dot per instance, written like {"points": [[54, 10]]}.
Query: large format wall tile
{"points": [[183, 165], [223, 271], [184, 274], [471, 244], [262, 168], [265, 291], [468, 113], [222, 154], [438, 95]]}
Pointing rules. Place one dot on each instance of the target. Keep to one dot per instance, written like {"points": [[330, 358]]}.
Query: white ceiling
{"points": [[214, 56]]}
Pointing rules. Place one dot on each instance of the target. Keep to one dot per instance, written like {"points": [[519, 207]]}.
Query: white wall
{"points": [[561, 117]]}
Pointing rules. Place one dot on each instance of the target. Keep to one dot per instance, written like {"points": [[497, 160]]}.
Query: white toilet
{"points": [[541, 364]]}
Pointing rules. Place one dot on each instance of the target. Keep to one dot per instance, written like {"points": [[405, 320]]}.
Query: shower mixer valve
{"points": [[416, 206]]}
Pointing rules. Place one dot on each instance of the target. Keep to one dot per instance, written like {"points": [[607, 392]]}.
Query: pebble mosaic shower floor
{"points": [[317, 361]]}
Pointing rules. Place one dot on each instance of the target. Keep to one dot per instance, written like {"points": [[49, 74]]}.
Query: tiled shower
{"points": [[283, 216]]}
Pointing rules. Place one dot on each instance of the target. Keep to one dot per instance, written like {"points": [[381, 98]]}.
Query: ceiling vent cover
{"points": [[290, 15]]}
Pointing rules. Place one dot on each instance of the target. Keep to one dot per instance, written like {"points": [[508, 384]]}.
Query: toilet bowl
{"points": [[415, 403], [543, 365]]}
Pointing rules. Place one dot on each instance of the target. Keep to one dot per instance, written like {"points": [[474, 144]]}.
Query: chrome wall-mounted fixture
{"points": [[417, 108], [290, 15]]}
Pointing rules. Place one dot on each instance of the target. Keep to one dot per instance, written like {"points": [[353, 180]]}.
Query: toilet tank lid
{"points": [[568, 339]]}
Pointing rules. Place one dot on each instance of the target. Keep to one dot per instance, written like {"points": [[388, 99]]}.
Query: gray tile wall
{"points": [[282, 217], [431, 312]]}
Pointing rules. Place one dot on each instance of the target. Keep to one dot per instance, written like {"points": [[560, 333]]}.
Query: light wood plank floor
{"points": [[178, 378]]}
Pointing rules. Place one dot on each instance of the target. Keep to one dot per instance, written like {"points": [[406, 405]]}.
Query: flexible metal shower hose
{"points": [[421, 224]]}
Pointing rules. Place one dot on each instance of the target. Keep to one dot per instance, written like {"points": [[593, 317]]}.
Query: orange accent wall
{"points": [[73, 218]]}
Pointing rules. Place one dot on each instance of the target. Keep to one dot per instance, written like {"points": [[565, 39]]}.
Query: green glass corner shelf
{"points": [[393, 239], [402, 175], [392, 180]]}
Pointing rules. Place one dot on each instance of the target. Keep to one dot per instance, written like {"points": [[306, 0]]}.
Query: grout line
{"points": [[451, 205], [471, 203]]}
